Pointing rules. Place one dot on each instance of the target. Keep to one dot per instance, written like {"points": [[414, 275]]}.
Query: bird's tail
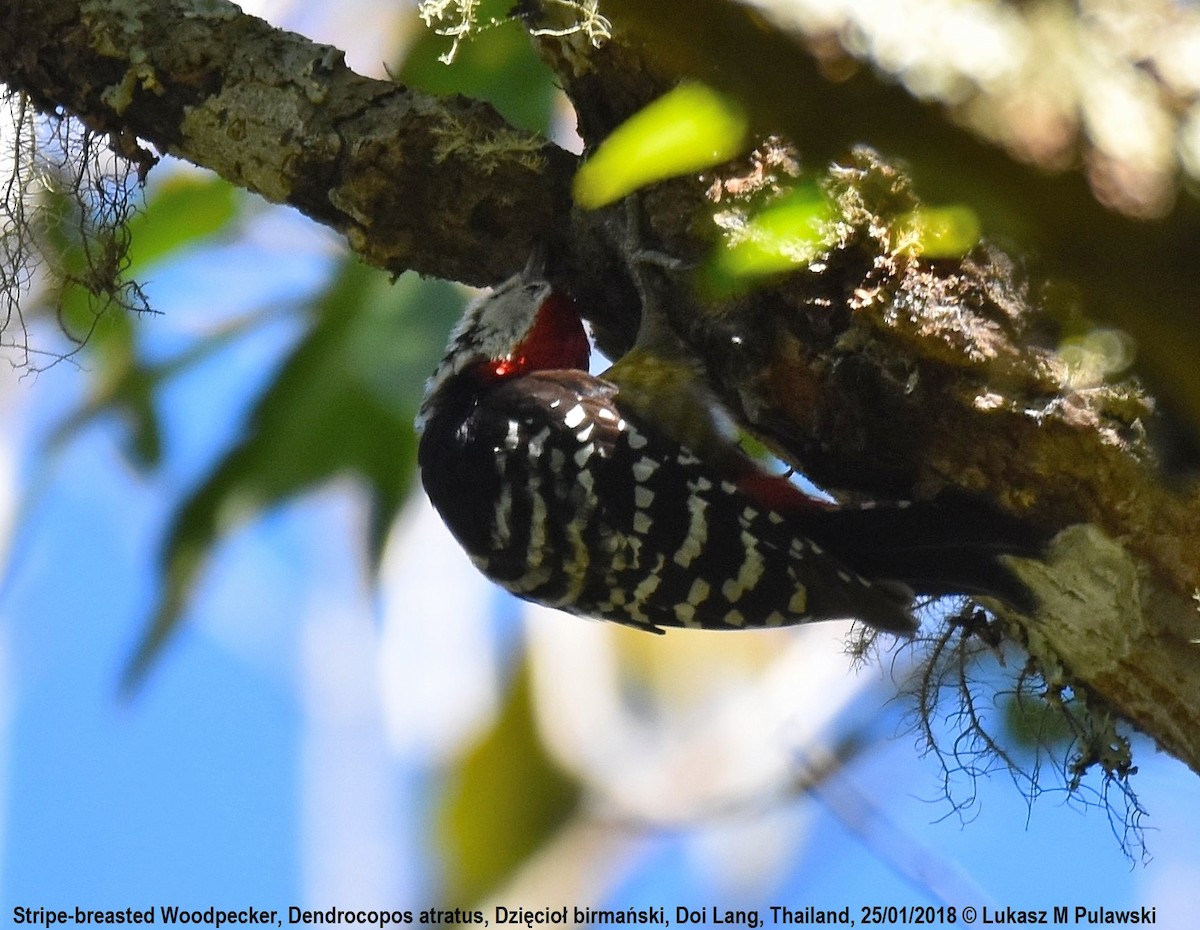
{"points": [[948, 545]]}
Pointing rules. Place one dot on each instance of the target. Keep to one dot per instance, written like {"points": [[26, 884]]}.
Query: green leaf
{"points": [[505, 800], [129, 390], [686, 130], [499, 66], [84, 260], [939, 232], [343, 403], [787, 235], [182, 211], [1036, 724]]}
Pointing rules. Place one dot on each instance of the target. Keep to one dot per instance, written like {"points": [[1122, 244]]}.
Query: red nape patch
{"points": [[775, 493]]}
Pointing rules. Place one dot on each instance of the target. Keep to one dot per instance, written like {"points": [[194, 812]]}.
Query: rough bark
{"points": [[880, 373], [444, 186]]}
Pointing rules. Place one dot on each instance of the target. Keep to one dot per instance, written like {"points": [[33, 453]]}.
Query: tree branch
{"points": [[440, 185]]}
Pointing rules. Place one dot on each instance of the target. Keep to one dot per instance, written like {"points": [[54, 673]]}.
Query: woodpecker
{"points": [[624, 497]]}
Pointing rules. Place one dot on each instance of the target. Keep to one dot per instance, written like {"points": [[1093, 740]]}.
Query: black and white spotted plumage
{"points": [[564, 489], [561, 499]]}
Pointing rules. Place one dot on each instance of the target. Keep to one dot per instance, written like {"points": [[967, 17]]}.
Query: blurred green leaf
{"points": [[1036, 724], [788, 234], [499, 66], [130, 390], [504, 801], [939, 232], [181, 211], [84, 259], [343, 403], [687, 129]]}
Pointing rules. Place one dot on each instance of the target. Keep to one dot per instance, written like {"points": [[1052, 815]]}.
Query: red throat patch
{"points": [[555, 340]]}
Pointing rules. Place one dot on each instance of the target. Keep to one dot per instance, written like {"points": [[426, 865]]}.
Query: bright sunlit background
{"points": [[310, 739]]}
